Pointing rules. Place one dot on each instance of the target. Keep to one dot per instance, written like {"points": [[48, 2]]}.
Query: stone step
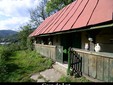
{"points": [[35, 76], [41, 80], [51, 75], [61, 67]]}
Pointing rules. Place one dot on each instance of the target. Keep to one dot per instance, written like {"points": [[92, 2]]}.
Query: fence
{"points": [[96, 65], [53, 52]]}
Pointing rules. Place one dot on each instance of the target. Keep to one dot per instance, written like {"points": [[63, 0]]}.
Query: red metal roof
{"points": [[78, 14]]}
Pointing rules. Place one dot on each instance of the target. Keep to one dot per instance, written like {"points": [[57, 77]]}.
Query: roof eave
{"points": [[91, 27]]}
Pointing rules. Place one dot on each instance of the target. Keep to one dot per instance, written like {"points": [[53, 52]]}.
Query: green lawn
{"points": [[22, 64], [73, 79]]}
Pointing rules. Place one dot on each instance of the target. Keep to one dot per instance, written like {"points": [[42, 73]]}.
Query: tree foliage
{"points": [[23, 36], [55, 5], [38, 14], [44, 9]]}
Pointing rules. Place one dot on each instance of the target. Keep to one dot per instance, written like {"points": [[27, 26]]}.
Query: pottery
{"points": [[86, 46], [97, 47]]}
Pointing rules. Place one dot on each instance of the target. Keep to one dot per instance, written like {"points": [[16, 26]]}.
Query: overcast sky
{"points": [[14, 13]]}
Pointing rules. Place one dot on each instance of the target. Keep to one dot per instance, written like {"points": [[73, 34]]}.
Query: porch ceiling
{"points": [[80, 13]]}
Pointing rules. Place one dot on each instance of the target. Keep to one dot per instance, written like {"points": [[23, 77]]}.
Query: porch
{"points": [[96, 66]]}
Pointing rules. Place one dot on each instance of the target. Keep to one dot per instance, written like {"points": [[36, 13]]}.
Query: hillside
{"points": [[6, 33], [8, 36]]}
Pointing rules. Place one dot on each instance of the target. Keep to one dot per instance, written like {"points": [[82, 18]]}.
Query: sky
{"points": [[14, 13]]}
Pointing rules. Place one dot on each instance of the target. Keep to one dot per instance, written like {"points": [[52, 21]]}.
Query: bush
{"points": [[14, 47], [29, 44], [4, 54]]}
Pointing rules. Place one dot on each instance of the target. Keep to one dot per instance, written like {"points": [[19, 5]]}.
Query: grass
{"points": [[73, 79], [1, 47], [22, 64]]}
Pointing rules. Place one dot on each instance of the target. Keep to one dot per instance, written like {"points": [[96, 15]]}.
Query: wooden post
{"points": [[69, 61], [91, 46]]}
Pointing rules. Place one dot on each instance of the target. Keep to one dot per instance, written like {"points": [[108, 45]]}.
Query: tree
{"points": [[38, 14], [23, 36], [55, 5]]}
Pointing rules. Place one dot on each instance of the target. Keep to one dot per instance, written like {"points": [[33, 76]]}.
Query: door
{"points": [[70, 40], [59, 54]]}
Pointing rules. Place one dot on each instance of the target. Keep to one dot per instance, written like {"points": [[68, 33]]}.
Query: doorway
{"points": [[70, 40]]}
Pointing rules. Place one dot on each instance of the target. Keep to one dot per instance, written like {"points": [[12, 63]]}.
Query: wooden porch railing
{"points": [[53, 52], [46, 50], [96, 65]]}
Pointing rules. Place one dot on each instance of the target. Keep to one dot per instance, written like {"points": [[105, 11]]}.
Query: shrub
{"points": [[14, 47], [4, 53], [29, 44]]}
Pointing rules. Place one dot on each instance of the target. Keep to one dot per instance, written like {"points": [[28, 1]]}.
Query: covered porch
{"points": [[102, 34], [96, 65], [56, 46]]}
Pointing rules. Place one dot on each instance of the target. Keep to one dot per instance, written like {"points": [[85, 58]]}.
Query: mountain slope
{"points": [[6, 33]]}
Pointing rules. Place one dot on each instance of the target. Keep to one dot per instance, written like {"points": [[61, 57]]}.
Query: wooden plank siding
{"points": [[97, 65], [92, 66], [50, 51], [46, 50], [86, 62], [106, 69], [111, 70], [100, 68]]}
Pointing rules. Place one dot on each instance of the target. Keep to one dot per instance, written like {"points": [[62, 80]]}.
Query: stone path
{"points": [[49, 75]]}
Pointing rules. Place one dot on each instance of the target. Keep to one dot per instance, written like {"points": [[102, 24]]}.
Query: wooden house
{"points": [[79, 23]]}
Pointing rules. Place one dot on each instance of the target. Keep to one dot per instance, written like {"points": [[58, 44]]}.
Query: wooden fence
{"points": [[96, 65], [53, 52]]}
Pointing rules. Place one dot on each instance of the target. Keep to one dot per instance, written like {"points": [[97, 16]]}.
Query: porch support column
{"points": [[91, 46]]}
